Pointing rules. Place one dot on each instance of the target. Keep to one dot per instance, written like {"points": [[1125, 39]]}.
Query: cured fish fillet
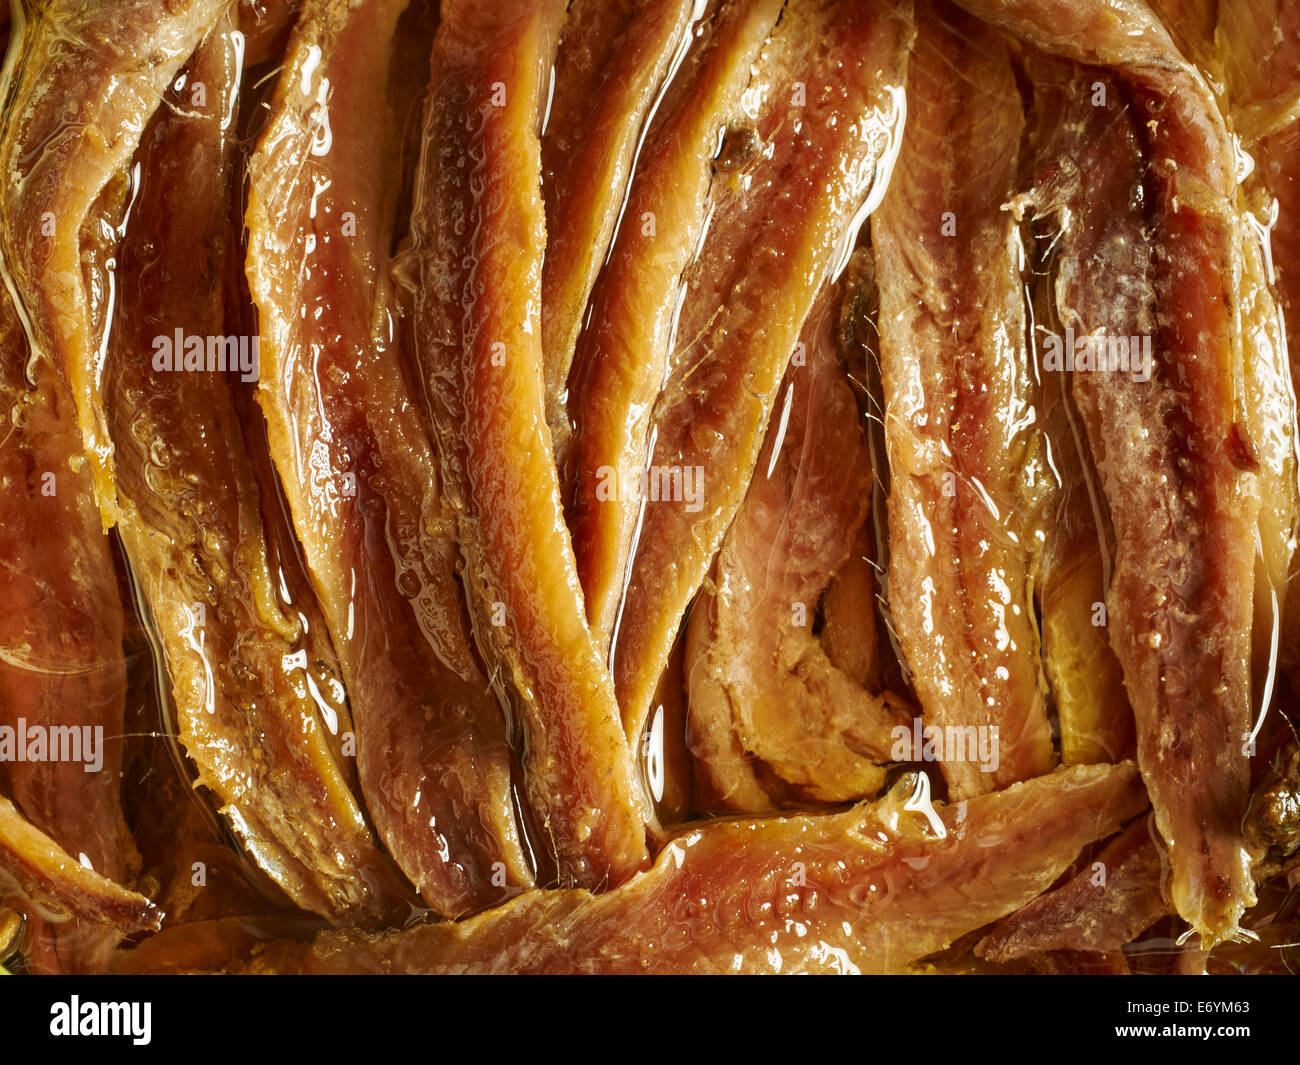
{"points": [[1257, 61], [250, 692], [961, 422], [57, 881], [622, 355], [1145, 193], [265, 25], [359, 470], [611, 64], [1087, 682], [478, 234], [761, 686], [870, 890], [79, 93], [825, 107], [1108, 904], [61, 663]]}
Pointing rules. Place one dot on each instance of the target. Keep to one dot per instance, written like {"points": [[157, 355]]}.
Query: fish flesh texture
{"points": [[1150, 247], [796, 180], [622, 355], [613, 58], [762, 688], [86, 79], [873, 890], [251, 695], [962, 421], [477, 244], [359, 470]]}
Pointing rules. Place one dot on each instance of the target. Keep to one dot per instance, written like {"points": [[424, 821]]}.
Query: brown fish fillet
{"points": [[1247, 52], [478, 229], [211, 945], [611, 64], [1109, 903], [53, 878], [868, 890], [849, 631], [359, 470], [1257, 57], [960, 415], [61, 663], [245, 683], [88, 76], [265, 25], [622, 355], [1151, 248], [761, 685], [1087, 681], [825, 108]]}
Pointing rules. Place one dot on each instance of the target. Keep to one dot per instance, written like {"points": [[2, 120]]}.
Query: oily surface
{"points": [[626, 486]]}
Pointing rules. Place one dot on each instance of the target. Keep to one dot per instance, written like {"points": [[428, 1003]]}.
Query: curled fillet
{"points": [[962, 421], [88, 75], [608, 74], [478, 232], [254, 699], [765, 698], [62, 886], [873, 890], [358, 467], [793, 182], [622, 354], [1144, 191]]}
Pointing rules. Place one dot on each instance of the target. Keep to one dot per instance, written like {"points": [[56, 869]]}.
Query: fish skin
{"points": [[961, 423], [622, 356], [1175, 454], [828, 893], [825, 107], [611, 64], [761, 684], [359, 469], [1105, 906], [84, 65], [478, 238]]}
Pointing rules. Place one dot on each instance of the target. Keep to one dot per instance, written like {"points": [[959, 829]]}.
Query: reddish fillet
{"points": [[962, 420], [871, 890], [1145, 192], [762, 688], [797, 175], [358, 467]]}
